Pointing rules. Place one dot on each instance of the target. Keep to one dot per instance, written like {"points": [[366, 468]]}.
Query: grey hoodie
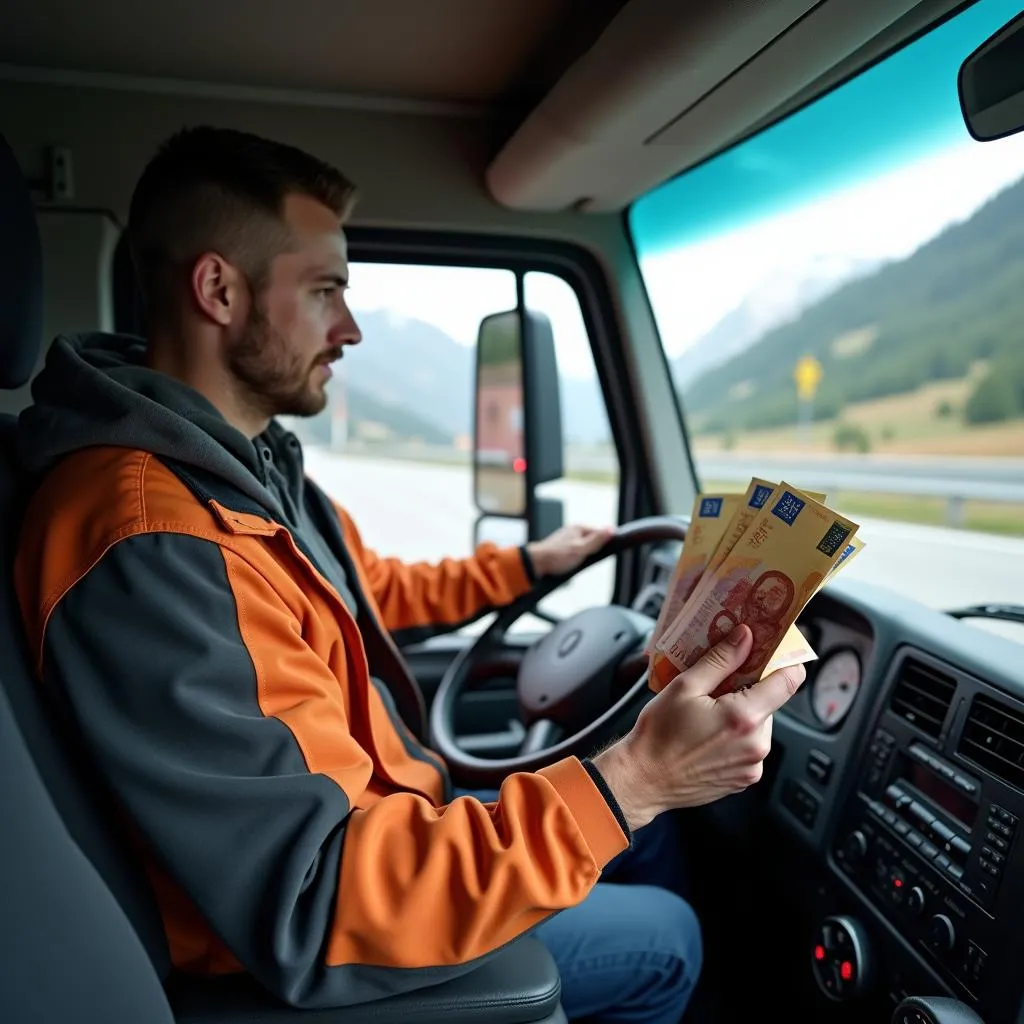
{"points": [[97, 390]]}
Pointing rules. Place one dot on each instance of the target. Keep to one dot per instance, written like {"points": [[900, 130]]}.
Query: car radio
{"points": [[929, 844]]}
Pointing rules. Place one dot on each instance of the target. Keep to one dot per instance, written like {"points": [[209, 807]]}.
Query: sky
{"points": [[456, 299]]}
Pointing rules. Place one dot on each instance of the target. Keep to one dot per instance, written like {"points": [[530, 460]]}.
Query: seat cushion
{"points": [[518, 986]]}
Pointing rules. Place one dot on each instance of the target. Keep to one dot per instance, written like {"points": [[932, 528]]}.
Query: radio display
{"points": [[942, 793]]}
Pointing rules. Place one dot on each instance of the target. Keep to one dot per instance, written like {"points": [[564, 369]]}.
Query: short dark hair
{"points": [[217, 189]]}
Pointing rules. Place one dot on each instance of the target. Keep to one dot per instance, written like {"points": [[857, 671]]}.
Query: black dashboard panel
{"points": [[911, 804]]}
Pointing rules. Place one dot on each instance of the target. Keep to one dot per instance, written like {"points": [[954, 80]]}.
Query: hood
{"points": [[96, 390]]}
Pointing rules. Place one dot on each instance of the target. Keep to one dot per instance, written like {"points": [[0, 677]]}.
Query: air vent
{"points": [[922, 696], [649, 601], [652, 594], [993, 737], [658, 574]]}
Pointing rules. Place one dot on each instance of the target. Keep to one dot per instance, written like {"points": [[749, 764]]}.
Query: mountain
{"points": [[780, 296], [412, 376], [957, 301], [410, 365], [366, 409], [369, 417]]}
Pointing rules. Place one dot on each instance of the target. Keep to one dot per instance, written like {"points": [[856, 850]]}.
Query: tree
{"points": [[997, 396]]}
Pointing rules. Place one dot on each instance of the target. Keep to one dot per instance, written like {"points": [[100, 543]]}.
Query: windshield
{"points": [[841, 301]]}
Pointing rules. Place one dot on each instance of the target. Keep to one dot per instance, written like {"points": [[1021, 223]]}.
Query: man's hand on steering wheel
{"points": [[566, 548]]}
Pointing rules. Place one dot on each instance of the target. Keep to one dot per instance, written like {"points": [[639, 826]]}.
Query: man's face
{"points": [[768, 599], [299, 324]]}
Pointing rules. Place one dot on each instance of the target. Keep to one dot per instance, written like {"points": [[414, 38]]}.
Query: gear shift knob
{"points": [[934, 1010]]}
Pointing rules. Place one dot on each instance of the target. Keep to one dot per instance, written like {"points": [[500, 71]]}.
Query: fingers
{"points": [[594, 538], [764, 698], [719, 663]]}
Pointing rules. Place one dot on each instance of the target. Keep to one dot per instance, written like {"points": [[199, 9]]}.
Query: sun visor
{"points": [[665, 86]]}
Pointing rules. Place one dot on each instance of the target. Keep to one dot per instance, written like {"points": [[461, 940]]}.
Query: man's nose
{"points": [[347, 332]]}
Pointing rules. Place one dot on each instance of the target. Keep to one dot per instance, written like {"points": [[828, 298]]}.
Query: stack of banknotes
{"points": [[754, 558]]}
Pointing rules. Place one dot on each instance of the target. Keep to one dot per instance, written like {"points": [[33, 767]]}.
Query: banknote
{"points": [[780, 561], [751, 504], [757, 494], [795, 649], [711, 514], [850, 552]]}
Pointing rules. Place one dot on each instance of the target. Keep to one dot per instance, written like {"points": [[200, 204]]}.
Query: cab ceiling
{"points": [[445, 56], [599, 99]]}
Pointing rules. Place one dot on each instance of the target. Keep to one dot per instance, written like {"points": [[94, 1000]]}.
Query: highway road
{"points": [[425, 511]]}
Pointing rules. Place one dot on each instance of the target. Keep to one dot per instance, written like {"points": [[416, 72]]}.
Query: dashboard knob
{"points": [[915, 900], [842, 961], [941, 933], [855, 847]]}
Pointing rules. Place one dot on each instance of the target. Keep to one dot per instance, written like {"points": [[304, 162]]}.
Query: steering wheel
{"points": [[566, 681]]}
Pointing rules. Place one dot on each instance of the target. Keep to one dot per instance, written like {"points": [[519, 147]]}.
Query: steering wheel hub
{"points": [[570, 672]]}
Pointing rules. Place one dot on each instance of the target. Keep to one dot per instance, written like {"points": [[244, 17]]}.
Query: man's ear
{"points": [[218, 289]]}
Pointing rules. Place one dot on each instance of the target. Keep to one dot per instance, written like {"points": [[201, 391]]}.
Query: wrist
{"points": [[628, 784], [533, 553]]}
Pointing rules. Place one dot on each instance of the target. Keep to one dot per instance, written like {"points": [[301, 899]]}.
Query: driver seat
{"points": [[81, 938]]}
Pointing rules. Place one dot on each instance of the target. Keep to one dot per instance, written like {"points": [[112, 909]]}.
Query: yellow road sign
{"points": [[808, 374]]}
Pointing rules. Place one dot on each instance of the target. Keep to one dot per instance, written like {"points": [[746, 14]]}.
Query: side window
{"points": [[395, 442]]}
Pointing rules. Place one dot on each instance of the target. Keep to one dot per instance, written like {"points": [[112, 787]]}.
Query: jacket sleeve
{"points": [[449, 593], [226, 737]]}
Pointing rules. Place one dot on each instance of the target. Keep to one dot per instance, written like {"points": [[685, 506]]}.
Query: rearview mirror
{"points": [[991, 84], [517, 437]]}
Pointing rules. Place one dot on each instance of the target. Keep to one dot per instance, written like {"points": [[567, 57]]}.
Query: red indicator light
{"points": [[819, 952], [898, 883], [846, 970], [519, 465]]}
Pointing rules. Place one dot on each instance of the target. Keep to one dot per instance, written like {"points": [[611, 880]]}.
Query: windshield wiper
{"points": [[1004, 612]]}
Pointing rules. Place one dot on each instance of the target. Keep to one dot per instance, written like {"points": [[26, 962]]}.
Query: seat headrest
{"points": [[21, 276]]}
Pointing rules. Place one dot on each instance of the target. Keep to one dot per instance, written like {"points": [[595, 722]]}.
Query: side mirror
{"points": [[517, 434], [991, 84]]}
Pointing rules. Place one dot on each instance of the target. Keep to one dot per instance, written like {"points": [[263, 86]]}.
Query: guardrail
{"points": [[952, 480]]}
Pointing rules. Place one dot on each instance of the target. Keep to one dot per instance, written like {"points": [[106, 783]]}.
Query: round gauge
{"points": [[835, 687]]}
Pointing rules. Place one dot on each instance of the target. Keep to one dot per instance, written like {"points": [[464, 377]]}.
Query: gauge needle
{"points": [[831, 710]]}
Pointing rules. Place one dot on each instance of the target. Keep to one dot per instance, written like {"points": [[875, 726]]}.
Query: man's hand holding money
{"points": [[689, 748]]}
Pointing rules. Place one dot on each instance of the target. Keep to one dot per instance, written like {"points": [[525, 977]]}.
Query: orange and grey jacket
{"points": [[218, 632]]}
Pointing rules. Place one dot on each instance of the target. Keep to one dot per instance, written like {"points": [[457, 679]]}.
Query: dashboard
{"points": [[899, 766]]}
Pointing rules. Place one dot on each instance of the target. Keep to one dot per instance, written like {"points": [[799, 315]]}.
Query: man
{"points": [[220, 633]]}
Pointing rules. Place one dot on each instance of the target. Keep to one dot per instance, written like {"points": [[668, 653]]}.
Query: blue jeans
{"points": [[631, 951]]}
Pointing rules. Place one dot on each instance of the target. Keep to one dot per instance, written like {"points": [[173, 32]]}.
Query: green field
{"points": [[928, 421]]}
